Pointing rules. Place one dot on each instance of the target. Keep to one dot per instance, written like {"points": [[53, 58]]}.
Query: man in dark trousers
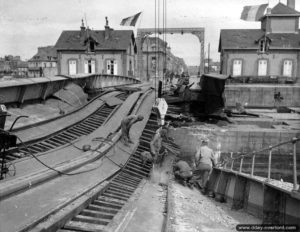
{"points": [[126, 124], [183, 172]]}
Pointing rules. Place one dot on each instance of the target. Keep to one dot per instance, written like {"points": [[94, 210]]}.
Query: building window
{"points": [[89, 66], [237, 67], [111, 67], [262, 67], [287, 68], [92, 46], [264, 45], [72, 67], [153, 63]]}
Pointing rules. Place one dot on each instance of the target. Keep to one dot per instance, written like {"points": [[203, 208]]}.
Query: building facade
{"points": [[43, 63], [269, 53], [87, 51], [158, 59], [13, 67]]}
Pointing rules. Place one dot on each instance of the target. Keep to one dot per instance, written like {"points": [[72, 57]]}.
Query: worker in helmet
{"points": [[126, 124]]}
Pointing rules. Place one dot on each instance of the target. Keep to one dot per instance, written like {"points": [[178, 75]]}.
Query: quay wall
{"points": [[262, 95], [274, 202], [234, 140], [237, 142]]}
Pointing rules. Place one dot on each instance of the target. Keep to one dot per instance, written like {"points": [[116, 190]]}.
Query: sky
{"points": [[26, 25]]}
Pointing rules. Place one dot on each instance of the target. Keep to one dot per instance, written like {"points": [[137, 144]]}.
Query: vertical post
{"points": [[253, 162], [269, 163], [294, 165], [231, 155], [241, 164], [225, 166], [159, 94], [208, 57]]}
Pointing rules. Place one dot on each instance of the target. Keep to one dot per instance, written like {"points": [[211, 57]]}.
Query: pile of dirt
{"points": [[192, 212]]}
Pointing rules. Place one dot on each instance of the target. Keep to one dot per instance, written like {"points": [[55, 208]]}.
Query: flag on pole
{"points": [[253, 13], [130, 21]]}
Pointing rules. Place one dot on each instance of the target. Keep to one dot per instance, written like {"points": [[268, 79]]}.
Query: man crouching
{"points": [[183, 173]]}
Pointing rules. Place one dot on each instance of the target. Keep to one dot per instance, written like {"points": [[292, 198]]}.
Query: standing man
{"points": [[204, 160], [126, 124], [156, 147]]}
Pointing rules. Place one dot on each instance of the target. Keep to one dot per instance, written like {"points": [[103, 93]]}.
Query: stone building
{"points": [[158, 58], [271, 53], [13, 66], [22, 69], [43, 63], [87, 51]]}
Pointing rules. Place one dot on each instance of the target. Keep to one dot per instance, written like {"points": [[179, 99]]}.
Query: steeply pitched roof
{"points": [[247, 39], [44, 53], [281, 9], [74, 40]]}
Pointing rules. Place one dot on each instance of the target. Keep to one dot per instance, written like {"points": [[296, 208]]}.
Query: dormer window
{"points": [[92, 46], [90, 41], [263, 44]]}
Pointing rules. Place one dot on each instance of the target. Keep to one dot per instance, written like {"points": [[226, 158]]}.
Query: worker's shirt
{"points": [[205, 155], [128, 119], [183, 167], [155, 144]]}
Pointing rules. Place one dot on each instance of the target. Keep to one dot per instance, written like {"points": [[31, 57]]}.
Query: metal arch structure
{"points": [[142, 34]]}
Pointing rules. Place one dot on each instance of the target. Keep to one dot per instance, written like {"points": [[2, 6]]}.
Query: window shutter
{"points": [[86, 66], [108, 66], [115, 68], [93, 64]]}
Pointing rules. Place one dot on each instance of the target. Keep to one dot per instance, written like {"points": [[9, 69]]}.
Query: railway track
{"points": [[66, 135], [100, 213]]}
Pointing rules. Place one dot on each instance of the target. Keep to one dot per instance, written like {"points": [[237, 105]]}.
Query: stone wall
{"points": [[262, 95], [242, 139]]}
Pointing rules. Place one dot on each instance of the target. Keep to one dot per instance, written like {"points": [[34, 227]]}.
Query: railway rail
{"points": [[99, 214], [59, 138]]}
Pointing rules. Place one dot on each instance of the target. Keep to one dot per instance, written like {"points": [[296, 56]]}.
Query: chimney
{"points": [[291, 4], [107, 29], [82, 28]]}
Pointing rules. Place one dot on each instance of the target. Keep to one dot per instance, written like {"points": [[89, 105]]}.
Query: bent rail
{"points": [[270, 148]]}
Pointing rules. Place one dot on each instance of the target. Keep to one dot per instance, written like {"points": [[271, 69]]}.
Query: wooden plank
{"points": [[83, 226]]}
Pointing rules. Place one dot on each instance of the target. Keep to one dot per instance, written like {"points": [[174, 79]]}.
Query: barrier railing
{"points": [[293, 141]]}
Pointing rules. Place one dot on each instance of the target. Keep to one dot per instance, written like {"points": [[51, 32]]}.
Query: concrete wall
{"points": [[274, 203], [250, 62], [24, 89], [240, 139], [262, 95]]}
